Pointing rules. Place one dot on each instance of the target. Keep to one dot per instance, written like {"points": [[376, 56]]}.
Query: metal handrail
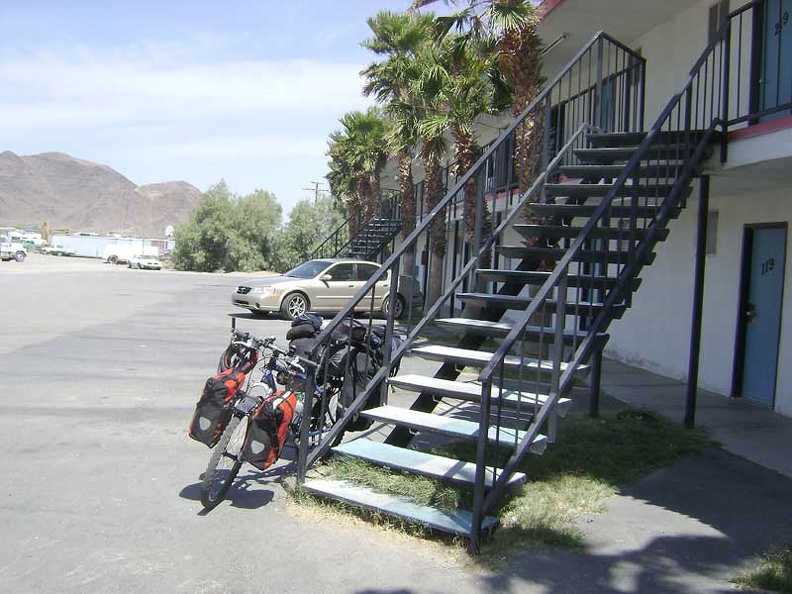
{"points": [[541, 102]]}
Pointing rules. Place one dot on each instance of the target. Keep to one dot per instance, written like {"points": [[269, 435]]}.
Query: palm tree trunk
{"points": [[437, 230], [407, 209]]}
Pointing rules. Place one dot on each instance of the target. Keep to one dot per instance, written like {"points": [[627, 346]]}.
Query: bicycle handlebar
{"points": [[251, 341]]}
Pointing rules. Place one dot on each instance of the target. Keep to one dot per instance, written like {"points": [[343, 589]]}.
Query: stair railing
{"points": [[672, 149], [337, 240], [604, 82]]}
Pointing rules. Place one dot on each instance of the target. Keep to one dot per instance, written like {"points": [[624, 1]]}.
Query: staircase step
{"points": [[600, 190], [477, 358], [553, 254], [472, 392], [501, 329], [457, 522], [522, 303], [451, 427], [636, 138], [562, 231], [605, 155], [664, 169], [571, 211], [431, 465], [533, 277]]}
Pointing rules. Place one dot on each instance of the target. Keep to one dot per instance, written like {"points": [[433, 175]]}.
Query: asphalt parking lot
{"points": [[101, 366]]}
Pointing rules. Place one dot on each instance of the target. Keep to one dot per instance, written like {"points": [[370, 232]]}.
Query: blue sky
{"points": [[241, 90]]}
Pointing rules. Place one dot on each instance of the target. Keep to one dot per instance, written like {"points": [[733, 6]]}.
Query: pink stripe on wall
{"points": [[763, 128], [547, 6]]}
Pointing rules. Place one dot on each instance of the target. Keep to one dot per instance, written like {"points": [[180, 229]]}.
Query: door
{"points": [[763, 287], [775, 70]]}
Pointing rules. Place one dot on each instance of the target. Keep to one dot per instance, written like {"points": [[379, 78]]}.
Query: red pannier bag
{"points": [[269, 428], [211, 413]]}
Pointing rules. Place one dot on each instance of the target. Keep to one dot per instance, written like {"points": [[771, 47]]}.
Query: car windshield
{"points": [[308, 269]]}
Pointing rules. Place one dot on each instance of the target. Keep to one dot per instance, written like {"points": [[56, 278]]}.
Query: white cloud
{"points": [[158, 112], [254, 147]]}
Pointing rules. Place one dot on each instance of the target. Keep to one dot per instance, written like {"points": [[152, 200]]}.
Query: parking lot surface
{"points": [[101, 367]]}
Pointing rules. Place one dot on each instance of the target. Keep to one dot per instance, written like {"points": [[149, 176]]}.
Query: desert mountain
{"points": [[69, 193]]}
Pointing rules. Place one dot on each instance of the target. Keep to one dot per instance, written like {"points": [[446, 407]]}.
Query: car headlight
{"points": [[269, 290]]}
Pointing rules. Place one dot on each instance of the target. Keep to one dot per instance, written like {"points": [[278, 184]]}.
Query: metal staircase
{"points": [[371, 238], [605, 199]]}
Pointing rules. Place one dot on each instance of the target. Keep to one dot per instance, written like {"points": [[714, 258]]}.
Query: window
{"points": [[342, 272], [365, 271]]}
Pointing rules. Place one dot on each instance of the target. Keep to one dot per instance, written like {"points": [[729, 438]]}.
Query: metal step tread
{"points": [[472, 392], [556, 231], [431, 465], [501, 329], [538, 277], [587, 210], [522, 251], [602, 189], [451, 427], [481, 358], [645, 170], [458, 522]]}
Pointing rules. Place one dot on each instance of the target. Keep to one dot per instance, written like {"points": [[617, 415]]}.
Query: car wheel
{"points": [[140, 266], [399, 309], [19, 256], [294, 306]]}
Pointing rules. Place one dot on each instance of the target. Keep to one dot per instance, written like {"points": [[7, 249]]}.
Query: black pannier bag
{"points": [[211, 413], [355, 357], [269, 428]]}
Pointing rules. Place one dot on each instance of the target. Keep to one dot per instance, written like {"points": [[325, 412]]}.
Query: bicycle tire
{"points": [[224, 464]]}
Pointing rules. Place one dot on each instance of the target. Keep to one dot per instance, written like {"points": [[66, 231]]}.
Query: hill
{"points": [[77, 195]]}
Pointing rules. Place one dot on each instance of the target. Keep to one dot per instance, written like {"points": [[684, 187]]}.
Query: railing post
{"points": [[558, 350], [305, 426], [481, 469], [698, 302], [598, 111], [726, 66], [595, 381]]}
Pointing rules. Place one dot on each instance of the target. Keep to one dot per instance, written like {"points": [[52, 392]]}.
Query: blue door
{"points": [[762, 312], [775, 77]]}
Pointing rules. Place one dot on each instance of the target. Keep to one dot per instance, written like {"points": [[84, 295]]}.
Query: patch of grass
{"points": [[591, 460], [774, 573]]}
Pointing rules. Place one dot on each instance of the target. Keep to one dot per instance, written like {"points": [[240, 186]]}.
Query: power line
{"points": [[315, 189]]}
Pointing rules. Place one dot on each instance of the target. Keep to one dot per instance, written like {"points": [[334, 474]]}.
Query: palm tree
{"points": [[507, 28], [357, 156], [399, 39], [460, 80]]}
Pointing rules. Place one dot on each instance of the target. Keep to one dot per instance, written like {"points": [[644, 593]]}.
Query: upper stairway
{"points": [[371, 238], [532, 304]]}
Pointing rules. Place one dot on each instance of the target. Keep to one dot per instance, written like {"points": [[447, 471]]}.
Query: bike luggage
{"points": [[269, 428], [211, 413]]}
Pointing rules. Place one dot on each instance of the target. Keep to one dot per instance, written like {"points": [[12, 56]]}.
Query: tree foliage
{"points": [[246, 233], [229, 233]]}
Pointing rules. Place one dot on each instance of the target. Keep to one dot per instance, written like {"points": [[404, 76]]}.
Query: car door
{"points": [[336, 292], [364, 272]]}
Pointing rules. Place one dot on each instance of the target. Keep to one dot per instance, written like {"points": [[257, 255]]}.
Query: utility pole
{"points": [[315, 189]]}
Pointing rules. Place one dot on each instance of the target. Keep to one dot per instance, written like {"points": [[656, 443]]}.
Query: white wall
{"points": [[655, 333]]}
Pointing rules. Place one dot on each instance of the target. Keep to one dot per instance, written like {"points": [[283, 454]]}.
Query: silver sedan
{"points": [[324, 285]]}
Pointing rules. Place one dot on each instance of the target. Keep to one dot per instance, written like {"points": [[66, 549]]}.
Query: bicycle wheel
{"points": [[225, 463]]}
